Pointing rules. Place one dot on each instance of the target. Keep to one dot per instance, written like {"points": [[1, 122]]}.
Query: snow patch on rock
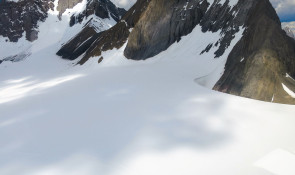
{"points": [[289, 91]]}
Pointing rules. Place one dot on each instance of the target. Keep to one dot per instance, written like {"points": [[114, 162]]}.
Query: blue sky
{"points": [[284, 8]]}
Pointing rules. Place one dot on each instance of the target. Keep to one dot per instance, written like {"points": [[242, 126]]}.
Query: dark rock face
{"points": [[226, 19], [79, 44], [101, 8], [268, 55], [268, 52], [160, 27], [117, 36], [23, 16], [86, 38], [164, 22], [103, 41]]}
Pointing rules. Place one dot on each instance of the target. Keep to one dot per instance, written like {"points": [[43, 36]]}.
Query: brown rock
{"points": [[163, 23], [268, 55], [115, 37]]}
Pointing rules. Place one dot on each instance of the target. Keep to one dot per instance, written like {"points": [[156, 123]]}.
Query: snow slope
{"points": [[125, 117]]}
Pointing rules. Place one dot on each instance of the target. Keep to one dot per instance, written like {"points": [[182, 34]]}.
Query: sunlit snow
{"points": [[124, 117]]}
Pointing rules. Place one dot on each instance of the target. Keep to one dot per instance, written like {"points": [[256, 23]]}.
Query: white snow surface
{"points": [[280, 162], [124, 117]]}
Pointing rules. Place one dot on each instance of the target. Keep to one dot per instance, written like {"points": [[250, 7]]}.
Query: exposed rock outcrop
{"points": [[106, 40], [23, 16], [101, 8], [268, 56], [160, 27], [79, 44]]}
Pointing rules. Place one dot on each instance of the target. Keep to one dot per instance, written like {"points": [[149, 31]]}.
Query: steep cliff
{"points": [[262, 64], [95, 42], [160, 27], [100, 8]]}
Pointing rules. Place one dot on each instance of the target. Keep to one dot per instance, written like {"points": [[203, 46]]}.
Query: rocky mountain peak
{"points": [[181, 17], [90, 43], [101, 8], [23, 16], [164, 22], [268, 59]]}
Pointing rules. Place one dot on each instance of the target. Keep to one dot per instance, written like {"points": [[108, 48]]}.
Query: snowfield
{"points": [[124, 117]]}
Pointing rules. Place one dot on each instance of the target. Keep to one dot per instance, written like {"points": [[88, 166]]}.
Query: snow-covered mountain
{"points": [[87, 44], [148, 107], [153, 29], [156, 29], [289, 28], [26, 24]]}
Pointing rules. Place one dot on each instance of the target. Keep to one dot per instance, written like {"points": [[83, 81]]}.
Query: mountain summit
{"points": [[262, 64]]}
